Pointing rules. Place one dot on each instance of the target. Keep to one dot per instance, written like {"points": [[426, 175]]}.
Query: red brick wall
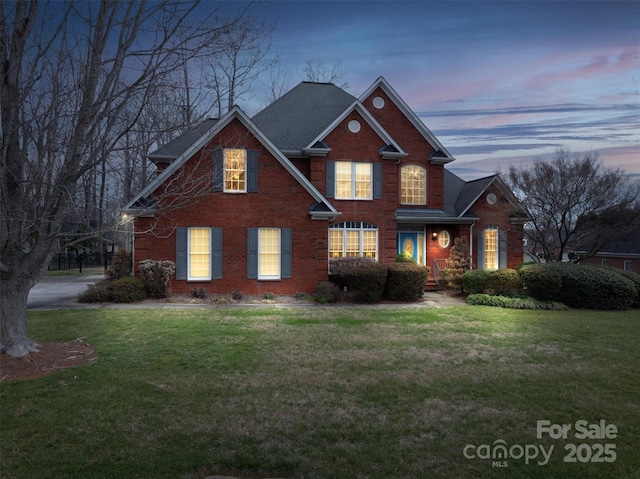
{"points": [[281, 202], [412, 142], [498, 214]]}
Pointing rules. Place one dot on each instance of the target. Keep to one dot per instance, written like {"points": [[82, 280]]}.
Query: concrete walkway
{"points": [[61, 292]]}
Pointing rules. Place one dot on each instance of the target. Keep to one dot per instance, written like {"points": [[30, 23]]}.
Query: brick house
{"points": [[261, 204]]}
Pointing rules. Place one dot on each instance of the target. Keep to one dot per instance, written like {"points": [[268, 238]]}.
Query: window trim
{"points": [[353, 176], [424, 189]]}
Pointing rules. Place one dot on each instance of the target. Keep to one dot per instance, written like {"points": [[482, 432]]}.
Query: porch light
{"points": [[434, 236]]}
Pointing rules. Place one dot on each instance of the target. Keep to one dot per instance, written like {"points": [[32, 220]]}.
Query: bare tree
{"points": [[237, 60], [318, 70], [567, 200], [69, 70]]}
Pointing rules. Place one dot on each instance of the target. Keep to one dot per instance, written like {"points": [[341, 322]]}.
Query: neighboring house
{"points": [[261, 204], [618, 254]]}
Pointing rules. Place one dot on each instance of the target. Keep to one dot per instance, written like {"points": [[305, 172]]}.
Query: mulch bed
{"points": [[51, 358]]}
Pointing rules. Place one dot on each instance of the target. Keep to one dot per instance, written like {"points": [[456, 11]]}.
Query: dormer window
{"points": [[414, 185]]}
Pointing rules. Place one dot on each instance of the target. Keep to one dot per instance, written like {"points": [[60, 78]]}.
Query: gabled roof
{"points": [[321, 209], [440, 155], [177, 146], [459, 197], [473, 190], [300, 115], [389, 149]]}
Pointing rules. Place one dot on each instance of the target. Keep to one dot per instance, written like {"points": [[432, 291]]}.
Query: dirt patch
{"points": [[51, 358]]}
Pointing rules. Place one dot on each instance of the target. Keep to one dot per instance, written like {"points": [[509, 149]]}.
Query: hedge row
{"points": [[514, 303], [373, 282], [578, 286]]}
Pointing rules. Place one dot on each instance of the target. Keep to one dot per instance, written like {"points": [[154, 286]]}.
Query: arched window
{"points": [[413, 180], [353, 238]]}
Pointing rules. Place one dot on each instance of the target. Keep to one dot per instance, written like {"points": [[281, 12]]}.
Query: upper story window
{"points": [[235, 170], [353, 180], [414, 185]]}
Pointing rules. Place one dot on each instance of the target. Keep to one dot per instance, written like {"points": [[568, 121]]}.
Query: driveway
{"points": [[59, 292]]}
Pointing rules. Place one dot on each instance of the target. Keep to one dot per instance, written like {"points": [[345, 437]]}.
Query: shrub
{"points": [[405, 257], [474, 281], [405, 281], [504, 281], [327, 292], [458, 263], [199, 293], [123, 290], [514, 303], [126, 290], [237, 295], [95, 293], [630, 275], [593, 287], [345, 264], [340, 267], [156, 276], [120, 265], [367, 282], [542, 283]]}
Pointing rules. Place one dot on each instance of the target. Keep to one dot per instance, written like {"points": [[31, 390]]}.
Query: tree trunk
{"points": [[14, 339]]}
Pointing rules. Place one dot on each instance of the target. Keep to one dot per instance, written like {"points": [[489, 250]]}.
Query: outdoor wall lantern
{"points": [[434, 236]]}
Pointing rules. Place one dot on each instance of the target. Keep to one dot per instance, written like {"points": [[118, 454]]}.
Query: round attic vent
{"points": [[492, 198], [354, 126], [378, 102]]}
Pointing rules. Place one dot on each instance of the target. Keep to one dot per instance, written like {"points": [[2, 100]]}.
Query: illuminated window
{"points": [[269, 253], [353, 180], [353, 238], [444, 239], [199, 257], [491, 247], [235, 170], [414, 185]]}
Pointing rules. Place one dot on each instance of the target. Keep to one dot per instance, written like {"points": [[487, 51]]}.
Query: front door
{"points": [[413, 245]]}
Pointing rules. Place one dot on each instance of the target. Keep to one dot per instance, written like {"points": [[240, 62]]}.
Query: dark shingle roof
{"points": [[299, 116], [179, 145]]}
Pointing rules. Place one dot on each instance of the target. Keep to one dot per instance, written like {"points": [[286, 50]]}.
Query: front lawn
{"points": [[329, 393]]}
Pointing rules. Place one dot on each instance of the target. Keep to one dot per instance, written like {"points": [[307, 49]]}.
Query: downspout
{"points": [[471, 245]]}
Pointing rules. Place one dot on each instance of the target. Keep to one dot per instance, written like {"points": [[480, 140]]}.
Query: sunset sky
{"points": [[499, 83]]}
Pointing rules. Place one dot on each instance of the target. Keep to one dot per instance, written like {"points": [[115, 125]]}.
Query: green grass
{"points": [[322, 393]]}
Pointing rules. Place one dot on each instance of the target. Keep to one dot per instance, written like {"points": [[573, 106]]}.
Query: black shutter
{"points": [[181, 253], [252, 253], [216, 253], [331, 179], [377, 181], [252, 171], [218, 169], [285, 253], [502, 249]]}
